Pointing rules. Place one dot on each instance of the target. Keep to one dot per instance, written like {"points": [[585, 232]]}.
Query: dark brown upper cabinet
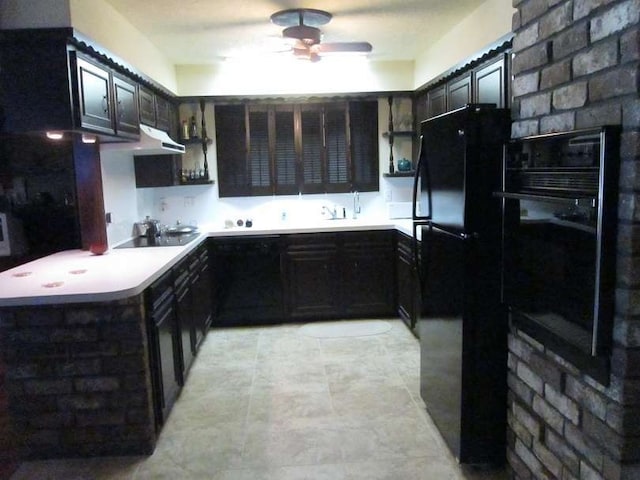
{"points": [[477, 82], [96, 100], [490, 82], [108, 102], [459, 93], [285, 149], [157, 111], [436, 101], [231, 149], [48, 83], [126, 112], [147, 103], [53, 79]]}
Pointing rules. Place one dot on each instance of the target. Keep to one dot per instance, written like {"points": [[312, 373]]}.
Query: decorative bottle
{"points": [[193, 128]]}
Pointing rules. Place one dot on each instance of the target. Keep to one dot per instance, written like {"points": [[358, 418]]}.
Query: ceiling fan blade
{"points": [[343, 47]]}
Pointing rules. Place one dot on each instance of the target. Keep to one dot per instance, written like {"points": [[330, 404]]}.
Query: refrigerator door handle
{"points": [[416, 256], [416, 182], [457, 235]]}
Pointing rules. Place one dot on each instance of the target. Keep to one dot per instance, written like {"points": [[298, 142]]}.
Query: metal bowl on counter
{"points": [[180, 230]]}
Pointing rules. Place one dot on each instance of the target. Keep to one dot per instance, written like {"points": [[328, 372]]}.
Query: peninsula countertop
{"points": [[78, 276]]}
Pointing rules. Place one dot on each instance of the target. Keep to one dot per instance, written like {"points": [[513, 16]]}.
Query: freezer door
{"points": [[421, 187], [442, 171]]}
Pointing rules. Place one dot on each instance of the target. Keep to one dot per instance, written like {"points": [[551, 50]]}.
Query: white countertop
{"points": [[77, 276]]}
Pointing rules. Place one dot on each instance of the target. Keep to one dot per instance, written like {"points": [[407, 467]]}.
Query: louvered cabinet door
{"points": [[258, 150], [311, 149], [231, 150], [336, 141], [284, 151], [363, 121]]}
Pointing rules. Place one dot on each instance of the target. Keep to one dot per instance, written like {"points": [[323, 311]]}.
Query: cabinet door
{"points": [[166, 354], [408, 293], [96, 111], [490, 82], [231, 146], [259, 150], [459, 93], [437, 101], [311, 276], [201, 290], [126, 107], [311, 143], [336, 148], [364, 145], [157, 170], [147, 105], [285, 157], [368, 274], [184, 317], [163, 113], [311, 284]]}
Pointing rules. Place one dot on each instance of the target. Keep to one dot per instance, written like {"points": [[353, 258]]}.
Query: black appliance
{"points": [[462, 325], [247, 280], [160, 240], [560, 198]]}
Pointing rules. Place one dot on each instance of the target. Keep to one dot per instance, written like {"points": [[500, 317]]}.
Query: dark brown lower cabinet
{"points": [[201, 285], [367, 273], [179, 305], [310, 271], [307, 276], [184, 316], [164, 347], [339, 275], [408, 288]]}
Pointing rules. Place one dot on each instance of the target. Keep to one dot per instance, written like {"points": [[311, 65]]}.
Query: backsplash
{"points": [[575, 66]]}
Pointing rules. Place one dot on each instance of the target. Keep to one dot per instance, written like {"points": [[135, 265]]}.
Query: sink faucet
{"points": [[333, 213], [356, 204]]}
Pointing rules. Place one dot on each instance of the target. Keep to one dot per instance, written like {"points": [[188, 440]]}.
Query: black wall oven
{"points": [[559, 202]]}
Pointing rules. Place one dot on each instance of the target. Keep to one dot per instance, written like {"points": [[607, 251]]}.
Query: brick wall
{"points": [[8, 453], [576, 66], [78, 379]]}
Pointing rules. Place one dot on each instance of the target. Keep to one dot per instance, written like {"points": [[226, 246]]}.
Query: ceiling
{"points": [[207, 31]]}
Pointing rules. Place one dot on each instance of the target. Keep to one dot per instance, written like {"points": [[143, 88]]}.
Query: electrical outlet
{"points": [[388, 195], [189, 201]]}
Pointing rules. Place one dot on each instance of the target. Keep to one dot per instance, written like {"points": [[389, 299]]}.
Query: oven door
{"points": [[555, 280]]}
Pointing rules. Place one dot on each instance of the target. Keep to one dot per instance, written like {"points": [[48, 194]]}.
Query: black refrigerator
{"points": [[462, 325]]}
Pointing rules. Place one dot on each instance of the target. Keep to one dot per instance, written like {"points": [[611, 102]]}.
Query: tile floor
{"points": [[271, 403]]}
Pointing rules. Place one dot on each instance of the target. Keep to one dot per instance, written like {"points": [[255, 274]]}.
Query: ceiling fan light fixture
{"points": [[306, 34]]}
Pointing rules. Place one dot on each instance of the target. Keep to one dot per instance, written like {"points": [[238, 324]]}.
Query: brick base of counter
{"points": [[8, 452], [78, 379]]}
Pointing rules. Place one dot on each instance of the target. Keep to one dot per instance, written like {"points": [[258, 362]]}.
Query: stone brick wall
{"points": [[576, 66], [8, 453], [78, 379]]}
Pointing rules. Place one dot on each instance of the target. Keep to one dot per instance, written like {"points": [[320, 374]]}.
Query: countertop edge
{"points": [[173, 256]]}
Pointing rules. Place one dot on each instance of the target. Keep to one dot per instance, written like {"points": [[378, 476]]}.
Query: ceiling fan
{"points": [[302, 27]]}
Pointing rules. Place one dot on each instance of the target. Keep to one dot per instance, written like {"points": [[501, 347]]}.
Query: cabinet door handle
{"points": [[105, 104]]}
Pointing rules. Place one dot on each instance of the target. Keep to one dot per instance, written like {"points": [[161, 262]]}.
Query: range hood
{"points": [[152, 142]]}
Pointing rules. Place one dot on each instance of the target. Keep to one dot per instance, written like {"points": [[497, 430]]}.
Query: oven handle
{"points": [[583, 201]]}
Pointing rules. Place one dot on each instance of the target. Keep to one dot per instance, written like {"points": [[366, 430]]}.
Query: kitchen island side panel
{"points": [[78, 379]]}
